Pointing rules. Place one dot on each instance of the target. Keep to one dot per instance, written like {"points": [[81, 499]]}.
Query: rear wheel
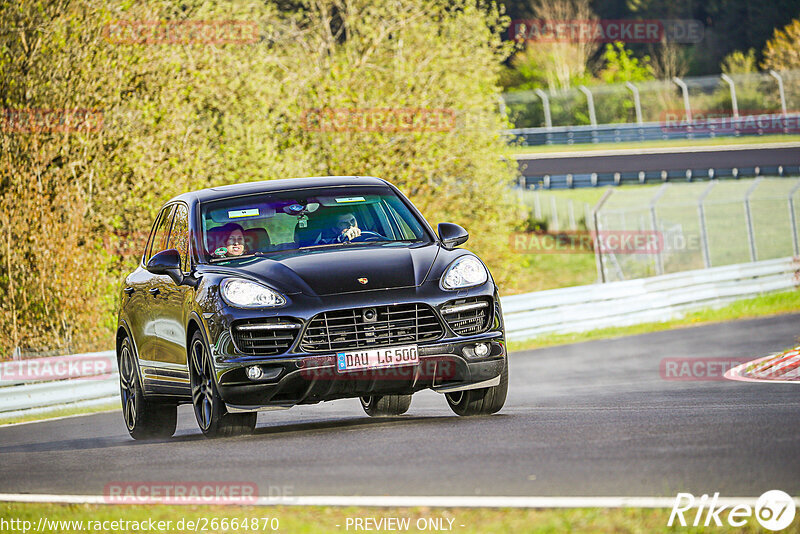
{"points": [[209, 409], [483, 401], [385, 405], [143, 418]]}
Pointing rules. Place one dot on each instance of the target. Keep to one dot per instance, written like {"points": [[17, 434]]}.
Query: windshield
{"points": [[327, 217]]}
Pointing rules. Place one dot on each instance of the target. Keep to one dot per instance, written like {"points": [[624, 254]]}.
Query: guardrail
{"points": [[601, 179], [571, 309], [656, 131], [27, 386], [653, 299]]}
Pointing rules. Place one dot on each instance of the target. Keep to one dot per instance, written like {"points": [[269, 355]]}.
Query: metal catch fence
{"points": [[699, 225]]}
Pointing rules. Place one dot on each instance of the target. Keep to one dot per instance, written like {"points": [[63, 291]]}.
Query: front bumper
{"points": [[444, 367], [298, 377]]}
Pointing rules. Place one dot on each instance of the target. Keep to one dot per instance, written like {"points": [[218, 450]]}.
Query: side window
{"points": [[159, 239], [179, 235], [405, 229]]}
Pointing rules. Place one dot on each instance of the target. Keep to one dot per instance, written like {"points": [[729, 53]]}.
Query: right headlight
{"points": [[466, 271], [247, 294]]}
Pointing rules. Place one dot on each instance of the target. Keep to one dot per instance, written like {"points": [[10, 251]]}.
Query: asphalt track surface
{"points": [[669, 159], [590, 419]]}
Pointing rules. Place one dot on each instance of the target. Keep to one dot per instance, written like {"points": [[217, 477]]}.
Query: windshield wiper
{"points": [[229, 258], [323, 245]]}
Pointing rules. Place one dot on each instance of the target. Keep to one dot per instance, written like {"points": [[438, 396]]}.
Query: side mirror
{"points": [[167, 262], [451, 235]]}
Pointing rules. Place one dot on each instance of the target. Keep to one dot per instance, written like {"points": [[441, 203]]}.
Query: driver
{"points": [[346, 228]]}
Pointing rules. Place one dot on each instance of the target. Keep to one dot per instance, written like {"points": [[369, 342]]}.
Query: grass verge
{"points": [[761, 306], [317, 519], [66, 412], [661, 143]]}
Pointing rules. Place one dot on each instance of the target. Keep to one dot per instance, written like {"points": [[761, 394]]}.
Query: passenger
{"points": [[231, 242]]}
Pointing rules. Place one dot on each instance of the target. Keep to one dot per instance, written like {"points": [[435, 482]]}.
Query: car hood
{"points": [[319, 272]]}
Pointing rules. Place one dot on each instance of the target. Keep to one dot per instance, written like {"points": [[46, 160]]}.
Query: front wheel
{"points": [[209, 409], [143, 418], [483, 401], [385, 405]]}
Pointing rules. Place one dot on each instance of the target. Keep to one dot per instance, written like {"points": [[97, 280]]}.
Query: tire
{"points": [[484, 401], [385, 405], [209, 409], [144, 419]]}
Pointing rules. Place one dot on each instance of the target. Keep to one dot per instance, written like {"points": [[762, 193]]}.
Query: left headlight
{"points": [[466, 271], [246, 294]]}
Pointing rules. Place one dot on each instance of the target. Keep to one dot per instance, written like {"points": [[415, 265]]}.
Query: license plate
{"points": [[377, 358]]}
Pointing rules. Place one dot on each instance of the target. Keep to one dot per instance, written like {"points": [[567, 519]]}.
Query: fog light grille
{"points": [[468, 316], [264, 337]]}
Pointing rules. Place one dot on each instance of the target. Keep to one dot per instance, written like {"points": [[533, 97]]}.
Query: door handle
{"points": [[154, 291], [129, 290]]}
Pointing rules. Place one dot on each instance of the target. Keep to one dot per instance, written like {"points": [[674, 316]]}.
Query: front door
{"points": [[147, 289], [169, 373]]}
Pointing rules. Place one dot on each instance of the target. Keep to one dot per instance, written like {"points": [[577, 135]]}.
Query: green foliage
{"points": [[620, 65], [75, 207], [738, 62], [782, 52]]}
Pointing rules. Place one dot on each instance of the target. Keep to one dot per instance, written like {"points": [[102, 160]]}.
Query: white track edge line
{"points": [[395, 502]]}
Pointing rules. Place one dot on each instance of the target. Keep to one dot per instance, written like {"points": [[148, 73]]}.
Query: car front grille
{"points": [[468, 316], [264, 337], [357, 327]]}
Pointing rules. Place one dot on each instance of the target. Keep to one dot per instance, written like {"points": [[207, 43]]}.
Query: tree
{"points": [[561, 62], [782, 52], [620, 66], [76, 203], [739, 62]]}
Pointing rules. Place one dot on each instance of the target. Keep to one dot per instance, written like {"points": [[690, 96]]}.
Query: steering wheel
{"points": [[368, 235]]}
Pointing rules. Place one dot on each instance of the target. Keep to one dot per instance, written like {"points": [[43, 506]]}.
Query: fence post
{"points": [[734, 103], [751, 238], [654, 221], [587, 215], [548, 120], [793, 219], [685, 90], [637, 103], [598, 251], [590, 103], [537, 206], [782, 94], [701, 212], [554, 213], [571, 212]]}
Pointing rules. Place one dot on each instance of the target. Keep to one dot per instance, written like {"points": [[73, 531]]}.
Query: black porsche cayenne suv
{"points": [[265, 295]]}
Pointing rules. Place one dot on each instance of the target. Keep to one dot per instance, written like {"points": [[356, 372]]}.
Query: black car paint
{"points": [[160, 316]]}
